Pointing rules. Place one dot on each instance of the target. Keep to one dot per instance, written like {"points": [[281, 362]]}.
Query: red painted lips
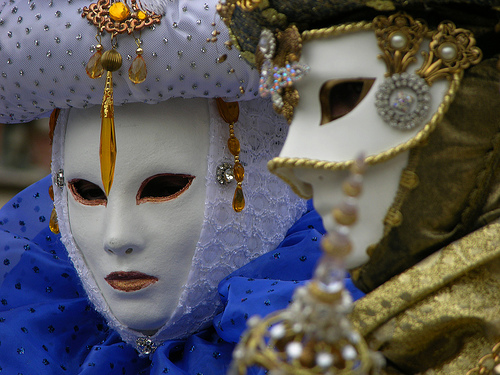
{"points": [[129, 281]]}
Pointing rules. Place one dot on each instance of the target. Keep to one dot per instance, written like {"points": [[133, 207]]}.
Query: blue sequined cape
{"points": [[47, 325]]}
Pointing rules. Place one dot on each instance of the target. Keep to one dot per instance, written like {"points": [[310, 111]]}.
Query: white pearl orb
{"points": [[349, 353], [294, 349], [448, 51], [398, 40], [253, 321], [278, 331], [324, 360]]}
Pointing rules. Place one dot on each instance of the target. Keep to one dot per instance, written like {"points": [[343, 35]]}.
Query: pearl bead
{"points": [[349, 353], [253, 321], [278, 331], [398, 40], [333, 287], [448, 51], [324, 360], [294, 349]]}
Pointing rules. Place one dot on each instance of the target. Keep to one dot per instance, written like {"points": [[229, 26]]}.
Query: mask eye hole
{"points": [[163, 187], [87, 192], [339, 97]]}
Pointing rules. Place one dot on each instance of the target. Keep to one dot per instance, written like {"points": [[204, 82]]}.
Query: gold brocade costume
{"points": [[442, 315]]}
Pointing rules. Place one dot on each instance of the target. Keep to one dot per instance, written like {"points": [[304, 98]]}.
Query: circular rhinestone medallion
{"points": [[403, 100], [224, 173]]}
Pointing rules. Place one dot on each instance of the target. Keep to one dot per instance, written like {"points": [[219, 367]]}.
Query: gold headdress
{"points": [[293, 22]]}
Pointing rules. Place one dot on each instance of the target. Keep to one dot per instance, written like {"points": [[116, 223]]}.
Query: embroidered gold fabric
{"points": [[442, 316]]}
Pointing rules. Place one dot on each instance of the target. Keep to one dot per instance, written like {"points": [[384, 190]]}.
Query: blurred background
{"points": [[24, 156]]}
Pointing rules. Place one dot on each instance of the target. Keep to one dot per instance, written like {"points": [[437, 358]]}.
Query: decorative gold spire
{"points": [[313, 335], [111, 61]]}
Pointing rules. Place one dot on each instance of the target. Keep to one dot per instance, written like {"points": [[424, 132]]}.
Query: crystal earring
{"points": [[230, 112], [59, 181], [137, 72], [94, 67], [53, 223]]}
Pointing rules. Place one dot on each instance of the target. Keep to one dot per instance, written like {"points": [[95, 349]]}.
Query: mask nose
{"points": [[114, 249], [121, 236]]}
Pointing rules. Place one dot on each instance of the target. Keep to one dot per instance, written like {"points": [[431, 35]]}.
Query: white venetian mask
{"points": [[150, 258], [139, 241], [336, 120]]}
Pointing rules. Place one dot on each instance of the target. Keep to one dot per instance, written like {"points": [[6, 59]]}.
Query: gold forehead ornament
{"points": [[115, 17]]}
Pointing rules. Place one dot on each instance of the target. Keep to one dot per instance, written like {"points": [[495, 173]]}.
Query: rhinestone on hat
{"points": [[274, 79]]}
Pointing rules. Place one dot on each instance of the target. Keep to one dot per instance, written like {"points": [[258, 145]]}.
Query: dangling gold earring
{"points": [[94, 67], [230, 112], [53, 223], [137, 72]]}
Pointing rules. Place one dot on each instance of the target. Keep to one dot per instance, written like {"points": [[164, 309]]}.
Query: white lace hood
{"points": [[228, 239]]}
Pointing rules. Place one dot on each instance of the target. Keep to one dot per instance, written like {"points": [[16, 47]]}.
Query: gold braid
{"points": [[336, 30]]}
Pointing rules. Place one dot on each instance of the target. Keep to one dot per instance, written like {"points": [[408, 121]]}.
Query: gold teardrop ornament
{"points": [[51, 192], [94, 67], [238, 199], [137, 72], [107, 149], [229, 111], [238, 172], [234, 145], [53, 223]]}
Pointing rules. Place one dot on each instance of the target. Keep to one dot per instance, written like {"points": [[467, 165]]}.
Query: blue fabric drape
{"points": [[47, 325]]}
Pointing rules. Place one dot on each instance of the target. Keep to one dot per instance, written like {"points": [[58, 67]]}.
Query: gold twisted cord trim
{"points": [[336, 30], [417, 140]]}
